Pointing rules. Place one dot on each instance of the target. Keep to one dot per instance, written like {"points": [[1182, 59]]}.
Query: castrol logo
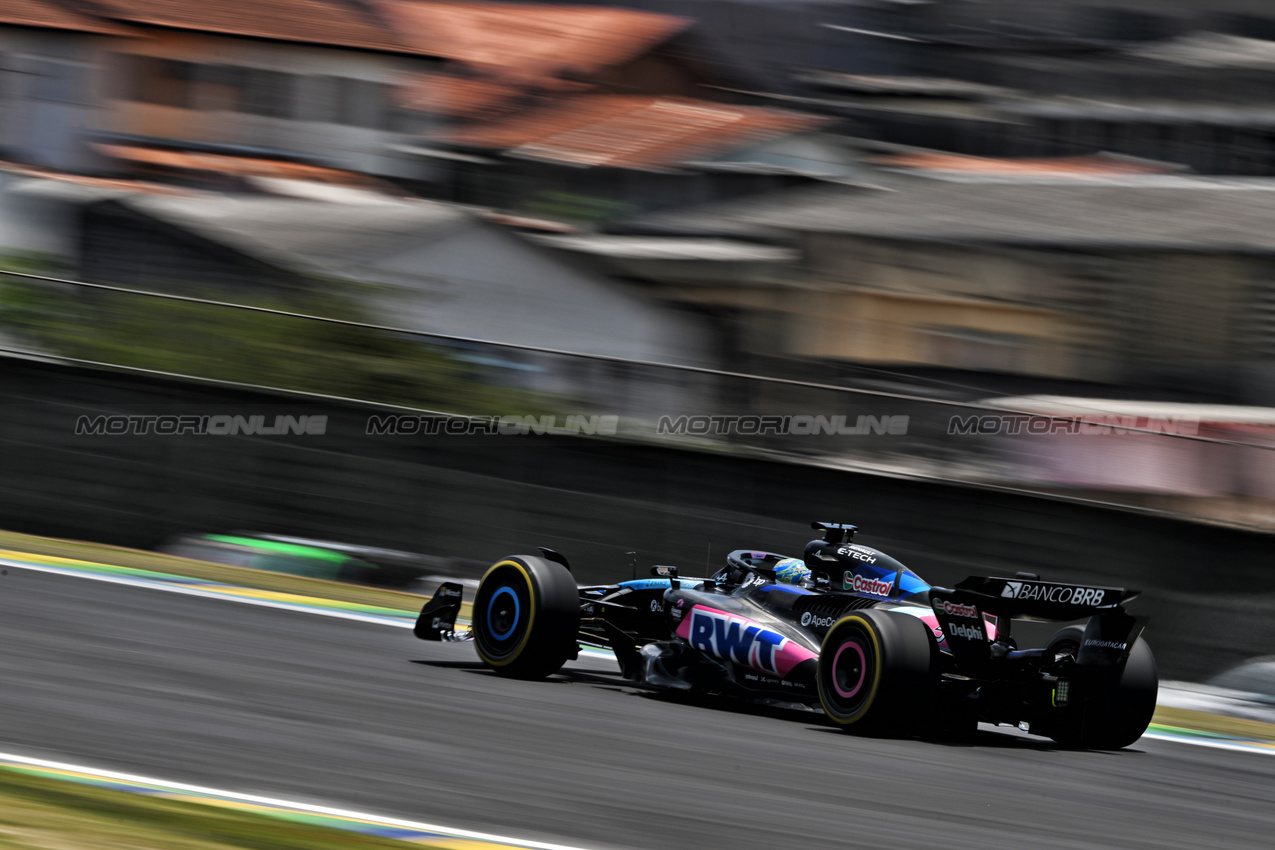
{"points": [[955, 609], [863, 584]]}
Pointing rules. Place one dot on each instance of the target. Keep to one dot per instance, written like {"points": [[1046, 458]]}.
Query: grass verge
{"points": [[137, 559], [37, 813], [1217, 724]]}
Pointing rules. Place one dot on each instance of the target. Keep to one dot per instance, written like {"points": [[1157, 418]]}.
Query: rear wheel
{"points": [[1115, 711], [878, 673], [526, 617]]}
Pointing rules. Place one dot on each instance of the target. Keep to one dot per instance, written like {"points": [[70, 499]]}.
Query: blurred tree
{"points": [[254, 348]]}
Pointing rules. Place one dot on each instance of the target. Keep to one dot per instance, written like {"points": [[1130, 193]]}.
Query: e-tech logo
{"points": [[967, 632], [857, 553], [955, 609], [735, 639], [1053, 593], [863, 584], [809, 619]]}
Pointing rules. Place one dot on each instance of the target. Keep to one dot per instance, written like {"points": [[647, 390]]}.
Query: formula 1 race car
{"points": [[847, 629]]}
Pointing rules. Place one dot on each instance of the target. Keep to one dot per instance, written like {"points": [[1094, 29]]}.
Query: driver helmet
{"points": [[792, 571]]}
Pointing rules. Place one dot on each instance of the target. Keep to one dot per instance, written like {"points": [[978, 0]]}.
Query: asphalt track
{"points": [[330, 711]]}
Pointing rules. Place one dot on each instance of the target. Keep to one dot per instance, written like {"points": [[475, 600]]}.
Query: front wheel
{"points": [[1116, 711], [878, 673], [526, 617]]}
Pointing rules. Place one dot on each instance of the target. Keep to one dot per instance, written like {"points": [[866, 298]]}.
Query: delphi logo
{"points": [[964, 631]]}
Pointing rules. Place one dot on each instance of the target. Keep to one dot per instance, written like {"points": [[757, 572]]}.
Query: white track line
{"points": [[1234, 746], [285, 804]]}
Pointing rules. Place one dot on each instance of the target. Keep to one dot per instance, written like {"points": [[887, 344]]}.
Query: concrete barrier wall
{"points": [[1210, 590]]}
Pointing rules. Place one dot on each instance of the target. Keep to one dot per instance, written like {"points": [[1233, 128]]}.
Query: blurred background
{"points": [[1009, 263]]}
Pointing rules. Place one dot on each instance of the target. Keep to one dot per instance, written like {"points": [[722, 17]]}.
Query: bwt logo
{"points": [[1054, 593], [735, 639]]}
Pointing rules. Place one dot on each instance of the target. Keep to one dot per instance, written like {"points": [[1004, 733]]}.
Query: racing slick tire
{"points": [[878, 673], [1116, 711], [526, 617]]}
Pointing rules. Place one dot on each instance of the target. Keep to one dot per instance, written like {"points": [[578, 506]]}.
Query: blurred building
{"points": [[50, 85], [306, 79], [1023, 248], [1075, 271], [1123, 447], [587, 113], [420, 265], [1185, 81]]}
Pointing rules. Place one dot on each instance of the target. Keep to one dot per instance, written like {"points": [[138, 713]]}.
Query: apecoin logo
{"points": [[809, 619]]}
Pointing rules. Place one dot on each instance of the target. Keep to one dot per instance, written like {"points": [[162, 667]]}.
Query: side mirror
{"points": [[669, 573]]}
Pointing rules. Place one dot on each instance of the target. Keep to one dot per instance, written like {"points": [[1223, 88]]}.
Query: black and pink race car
{"points": [[847, 629]]}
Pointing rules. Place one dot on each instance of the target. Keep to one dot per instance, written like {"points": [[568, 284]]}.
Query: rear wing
{"points": [[1030, 599], [1109, 635]]}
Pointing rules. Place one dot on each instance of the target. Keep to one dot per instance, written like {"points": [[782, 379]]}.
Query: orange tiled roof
{"points": [[472, 98], [631, 131], [34, 13], [239, 165], [529, 41], [1078, 165], [329, 22], [93, 182], [458, 97]]}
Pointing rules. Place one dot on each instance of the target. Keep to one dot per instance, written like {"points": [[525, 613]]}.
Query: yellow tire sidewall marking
{"points": [[531, 613]]}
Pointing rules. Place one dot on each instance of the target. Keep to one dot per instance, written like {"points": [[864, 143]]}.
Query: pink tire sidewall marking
{"points": [[863, 670]]}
